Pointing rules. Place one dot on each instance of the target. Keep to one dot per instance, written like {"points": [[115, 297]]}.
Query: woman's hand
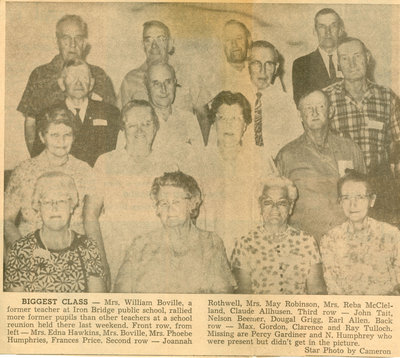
{"points": [[315, 281], [243, 280], [96, 284]]}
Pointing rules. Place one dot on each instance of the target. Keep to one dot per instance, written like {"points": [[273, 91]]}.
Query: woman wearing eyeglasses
{"points": [[54, 258], [56, 131], [232, 170], [360, 257], [275, 258], [179, 257]]}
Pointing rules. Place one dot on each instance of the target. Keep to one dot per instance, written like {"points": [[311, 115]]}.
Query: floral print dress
{"points": [[277, 263], [37, 269]]}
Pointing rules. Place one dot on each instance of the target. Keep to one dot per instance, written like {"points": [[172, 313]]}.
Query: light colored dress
{"points": [[278, 264], [196, 264], [231, 192], [22, 182], [37, 269], [365, 262], [125, 188]]}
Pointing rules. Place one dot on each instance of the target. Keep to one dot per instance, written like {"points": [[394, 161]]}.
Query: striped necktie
{"points": [[258, 121]]}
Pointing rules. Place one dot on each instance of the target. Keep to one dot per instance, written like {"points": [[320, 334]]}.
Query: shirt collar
{"points": [[277, 238], [365, 228], [57, 62], [309, 141], [341, 90], [82, 109], [326, 54]]}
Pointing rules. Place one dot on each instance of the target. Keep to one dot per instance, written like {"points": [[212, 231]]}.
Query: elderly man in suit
{"points": [[319, 68], [96, 122], [42, 90]]}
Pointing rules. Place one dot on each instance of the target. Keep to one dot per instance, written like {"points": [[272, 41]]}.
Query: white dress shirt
{"points": [[82, 108], [325, 57]]}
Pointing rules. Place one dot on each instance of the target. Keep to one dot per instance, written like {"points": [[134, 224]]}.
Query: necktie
{"points": [[78, 120], [332, 71], [258, 121]]}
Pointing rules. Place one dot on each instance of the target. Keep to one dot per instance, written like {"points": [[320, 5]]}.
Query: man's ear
{"points": [[41, 137], [249, 43], [341, 32], [372, 200], [331, 112], [291, 208], [61, 83], [276, 68], [368, 56], [91, 83], [171, 46]]}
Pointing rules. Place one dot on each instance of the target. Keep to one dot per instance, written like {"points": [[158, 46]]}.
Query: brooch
{"points": [[42, 253]]}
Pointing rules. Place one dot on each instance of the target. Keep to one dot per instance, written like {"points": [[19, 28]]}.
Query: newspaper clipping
{"points": [[187, 178]]}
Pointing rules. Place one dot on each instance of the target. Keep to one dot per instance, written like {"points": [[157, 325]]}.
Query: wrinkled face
{"points": [[58, 139], [275, 206], [77, 81], [235, 43], [174, 206], [230, 125], [356, 201], [161, 86], [262, 67], [156, 43], [314, 111], [328, 30], [55, 209], [139, 126], [353, 60], [71, 41]]}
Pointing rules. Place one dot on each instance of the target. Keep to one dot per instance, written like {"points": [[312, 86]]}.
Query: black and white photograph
{"points": [[202, 148]]}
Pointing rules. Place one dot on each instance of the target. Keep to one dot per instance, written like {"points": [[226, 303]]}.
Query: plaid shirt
{"points": [[374, 123]]}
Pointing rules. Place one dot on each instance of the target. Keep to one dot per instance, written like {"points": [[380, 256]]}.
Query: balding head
{"points": [[161, 84]]}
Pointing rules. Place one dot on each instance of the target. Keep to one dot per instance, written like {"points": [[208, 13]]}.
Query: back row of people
{"points": [[363, 111]]}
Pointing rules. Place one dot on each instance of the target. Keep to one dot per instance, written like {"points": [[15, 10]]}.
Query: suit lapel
{"points": [[87, 122], [318, 63]]}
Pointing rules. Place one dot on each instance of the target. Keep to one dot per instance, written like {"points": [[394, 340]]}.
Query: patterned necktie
{"points": [[332, 71], [258, 121]]}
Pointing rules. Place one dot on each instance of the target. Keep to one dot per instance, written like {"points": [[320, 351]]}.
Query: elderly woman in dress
{"points": [[54, 258], [275, 258], [119, 208], [179, 257], [56, 131], [360, 257], [231, 170]]}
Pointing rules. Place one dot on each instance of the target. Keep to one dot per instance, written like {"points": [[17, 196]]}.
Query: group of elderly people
{"points": [[84, 231], [160, 212]]}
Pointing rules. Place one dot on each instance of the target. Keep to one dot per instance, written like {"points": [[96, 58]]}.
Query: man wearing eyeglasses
{"points": [[314, 162], [274, 113], [42, 90], [319, 68]]}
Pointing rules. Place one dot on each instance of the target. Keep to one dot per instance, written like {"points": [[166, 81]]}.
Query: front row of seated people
{"points": [[359, 256]]}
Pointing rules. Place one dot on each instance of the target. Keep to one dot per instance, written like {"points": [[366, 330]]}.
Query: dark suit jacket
{"points": [[97, 135], [309, 73]]}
